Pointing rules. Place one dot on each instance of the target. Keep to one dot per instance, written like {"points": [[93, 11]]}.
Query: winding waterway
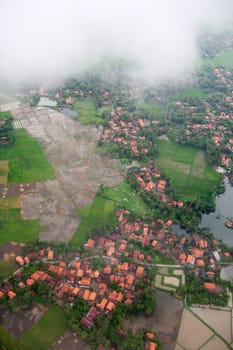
{"points": [[224, 209]]}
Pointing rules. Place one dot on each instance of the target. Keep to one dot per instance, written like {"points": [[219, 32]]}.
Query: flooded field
{"points": [[165, 321]]}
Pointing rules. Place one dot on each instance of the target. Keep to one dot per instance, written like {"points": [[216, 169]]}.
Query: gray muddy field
{"points": [[70, 147]]}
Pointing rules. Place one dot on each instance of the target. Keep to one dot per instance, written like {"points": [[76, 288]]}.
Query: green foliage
{"points": [[131, 341], [46, 331], [35, 99], [76, 311], [196, 294], [27, 162]]}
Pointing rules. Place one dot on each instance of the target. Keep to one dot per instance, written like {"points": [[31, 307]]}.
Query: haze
{"points": [[44, 40]]}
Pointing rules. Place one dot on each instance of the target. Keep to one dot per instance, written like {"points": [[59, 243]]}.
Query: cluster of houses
{"points": [[123, 128], [216, 122], [77, 278], [149, 179], [192, 251], [114, 281]]}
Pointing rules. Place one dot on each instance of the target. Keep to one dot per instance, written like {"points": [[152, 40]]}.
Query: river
{"points": [[224, 209]]}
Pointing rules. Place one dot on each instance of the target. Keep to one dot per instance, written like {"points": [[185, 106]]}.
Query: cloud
{"points": [[42, 40]]}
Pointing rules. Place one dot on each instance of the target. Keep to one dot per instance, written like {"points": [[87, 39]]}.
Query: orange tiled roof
{"points": [[11, 294], [102, 304], [139, 271]]}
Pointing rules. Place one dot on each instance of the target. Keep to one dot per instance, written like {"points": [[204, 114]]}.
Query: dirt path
{"points": [[70, 147]]}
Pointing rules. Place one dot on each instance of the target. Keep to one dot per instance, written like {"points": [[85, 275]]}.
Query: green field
{"points": [[87, 112], [46, 331], [27, 162], [224, 58], [7, 341], [187, 169], [100, 213], [125, 197], [8, 267], [4, 115], [192, 92], [23, 231], [153, 109], [9, 214]]}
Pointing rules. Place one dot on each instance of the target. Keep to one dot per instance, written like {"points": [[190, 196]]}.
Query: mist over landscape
{"points": [[42, 41]]}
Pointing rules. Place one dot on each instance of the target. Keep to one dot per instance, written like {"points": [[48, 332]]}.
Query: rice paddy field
{"points": [[26, 160], [87, 112], [41, 335], [188, 170], [100, 213], [16, 230]]}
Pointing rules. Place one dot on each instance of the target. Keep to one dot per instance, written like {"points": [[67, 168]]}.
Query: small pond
{"points": [[216, 220]]}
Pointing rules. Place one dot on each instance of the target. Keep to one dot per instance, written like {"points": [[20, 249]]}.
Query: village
{"points": [[117, 273], [126, 260]]}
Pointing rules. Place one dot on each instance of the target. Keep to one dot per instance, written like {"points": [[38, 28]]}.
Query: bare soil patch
{"points": [[165, 321], [15, 190], [10, 249], [70, 341], [173, 281], [18, 323]]}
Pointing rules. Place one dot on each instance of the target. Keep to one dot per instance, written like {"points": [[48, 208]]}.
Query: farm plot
{"points": [[187, 168], [3, 171]]}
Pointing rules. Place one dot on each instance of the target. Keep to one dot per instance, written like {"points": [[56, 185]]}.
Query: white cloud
{"points": [[44, 39]]}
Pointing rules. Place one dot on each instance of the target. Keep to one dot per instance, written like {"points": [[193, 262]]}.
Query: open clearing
{"points": [[192, 92], [46, 331], [165, 321], [70, 148], [125, 197], [171, 281], [70, 341], [87, 112], [17, 323], [187, 168], [8, 251]]}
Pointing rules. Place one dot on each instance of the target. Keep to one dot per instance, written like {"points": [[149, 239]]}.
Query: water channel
{"points": [[216, 220]]}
